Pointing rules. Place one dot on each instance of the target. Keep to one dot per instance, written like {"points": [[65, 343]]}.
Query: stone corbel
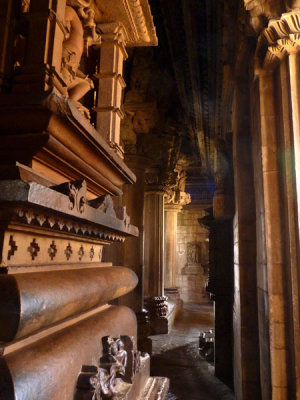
{"points": [[260, 10]]}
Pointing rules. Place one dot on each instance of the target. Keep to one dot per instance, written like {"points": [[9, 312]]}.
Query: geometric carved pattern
{"points": [[68, 251], [13, 247], [33, 249], [81, 253], [52, 250], [64, 225]]}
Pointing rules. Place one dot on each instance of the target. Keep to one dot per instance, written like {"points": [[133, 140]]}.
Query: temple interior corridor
{"points": [[176, 355], [149, 158]]}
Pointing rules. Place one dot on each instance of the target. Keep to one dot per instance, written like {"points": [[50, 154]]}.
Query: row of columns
{"points": [[153, 254]]}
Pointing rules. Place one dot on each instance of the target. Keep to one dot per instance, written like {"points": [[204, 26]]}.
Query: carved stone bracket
{"points": [[76, 191], [278, 40]]}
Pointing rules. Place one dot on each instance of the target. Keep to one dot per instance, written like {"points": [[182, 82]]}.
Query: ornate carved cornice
{"points": [[136, 17]]}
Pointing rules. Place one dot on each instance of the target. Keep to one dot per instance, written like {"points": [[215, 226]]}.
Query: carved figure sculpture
{"points": [[194, 253], [78, 84], [100, 384], [117, 368]]}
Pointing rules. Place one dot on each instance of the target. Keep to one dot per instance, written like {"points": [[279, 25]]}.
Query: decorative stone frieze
{"points": [[40, 231]]}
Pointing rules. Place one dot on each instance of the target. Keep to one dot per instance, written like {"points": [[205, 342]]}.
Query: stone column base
{"points": [[158, 310], [144, 330]]}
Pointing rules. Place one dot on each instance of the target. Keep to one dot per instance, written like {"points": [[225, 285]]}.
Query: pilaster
{"points": [[111, 83]]}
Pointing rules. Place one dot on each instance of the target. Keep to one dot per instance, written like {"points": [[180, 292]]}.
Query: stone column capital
{"points": [[280, 39], [173, 208], [159, 180], [113, 33], [136, 161]]}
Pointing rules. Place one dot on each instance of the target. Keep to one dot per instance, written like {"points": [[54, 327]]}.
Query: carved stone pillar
{"points": [[286, 51], [133, 250], [154, 236], [290, 81], [274, 233], [171, 214], [111, 83], [154, 254]]}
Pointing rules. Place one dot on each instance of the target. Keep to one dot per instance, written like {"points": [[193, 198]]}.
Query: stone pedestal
{"points": [[158, 311], [174, 202], [143, 322]]}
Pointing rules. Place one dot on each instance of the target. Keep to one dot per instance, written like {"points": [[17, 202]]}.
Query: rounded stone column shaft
{"points": [[133, 248], [154, 243], [273, 229], [171, 214]]}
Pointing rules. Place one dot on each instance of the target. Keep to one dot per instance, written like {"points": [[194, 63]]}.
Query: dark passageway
{"points": [[176, 356]]}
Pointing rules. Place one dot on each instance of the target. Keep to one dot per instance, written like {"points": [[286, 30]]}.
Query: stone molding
{"points": [[47, 208], [26, 303]]}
